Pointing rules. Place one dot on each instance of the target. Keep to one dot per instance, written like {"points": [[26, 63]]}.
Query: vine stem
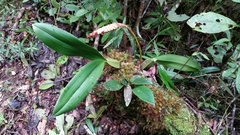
{"points": [[135, 37]]}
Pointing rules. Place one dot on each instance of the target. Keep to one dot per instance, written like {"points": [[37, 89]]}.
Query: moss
{"points": [[170, 114], [127, 67], [182, 123]]}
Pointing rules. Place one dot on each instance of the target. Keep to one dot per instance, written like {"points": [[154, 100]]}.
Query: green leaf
{"points": [[47, 74], [79, 86], [59, 123], [237, 1], [73, 18], [112, 85], [81, 12], [238, 81], [55, 3], [110, 42], [63, 20], [139, 80], [230, 72], [46, 84], [148, 63], [52, 11], [178, 62], [64, 42], [210, 69], [62, 60], [217, 53], [166, 79], [99, 113], [71, 7], [172, 16], [112, 62], [69, 120], [90, 125], [211, 23], [144, 93]]}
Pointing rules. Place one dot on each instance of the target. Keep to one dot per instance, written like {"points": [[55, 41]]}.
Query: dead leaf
{"points": [[42, 126]]}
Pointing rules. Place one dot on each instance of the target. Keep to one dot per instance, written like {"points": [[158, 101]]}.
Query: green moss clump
{"points": [[170, 114], [127, 67]]}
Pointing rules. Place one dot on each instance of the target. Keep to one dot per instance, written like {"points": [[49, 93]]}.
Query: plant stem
{"points": [[135, 37]]}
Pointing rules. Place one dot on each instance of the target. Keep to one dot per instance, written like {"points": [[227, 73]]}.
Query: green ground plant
{"points": [[9, 48], [86, 78]]}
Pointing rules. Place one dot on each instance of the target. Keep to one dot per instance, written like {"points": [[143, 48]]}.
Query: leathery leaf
{"points": [[178, 62], [64, 42], [78, 87]]}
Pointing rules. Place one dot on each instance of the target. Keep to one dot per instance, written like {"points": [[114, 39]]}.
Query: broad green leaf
{"points": [[59, 123], [53, 68], [174, 75], [105, 37], [112, 85], [174, 17], [127, 94], [221, 41], [238, 81], [178, 62], [73, 18], [52, 11], [69, 120], [64, 42], [90, 125], [112, 62], [78, 87], [166, 79], [211, 23], [217, 53], [110, 41], [237, 1], [211, 69], [55, 3], [148, 63], [47, 74], [144, 93], [139, 80], [230, 72], [72, 7], [81, 12], [63, 20], [62, 60], [46, 84]]}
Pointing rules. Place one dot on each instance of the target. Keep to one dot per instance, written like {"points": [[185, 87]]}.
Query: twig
{"points": [[96, 41], [232, 121], [144, 12], [140, 10], [125, 6]]}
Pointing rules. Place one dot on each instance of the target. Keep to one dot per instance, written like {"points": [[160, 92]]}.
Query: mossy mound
{"points": [[170, 114]]}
